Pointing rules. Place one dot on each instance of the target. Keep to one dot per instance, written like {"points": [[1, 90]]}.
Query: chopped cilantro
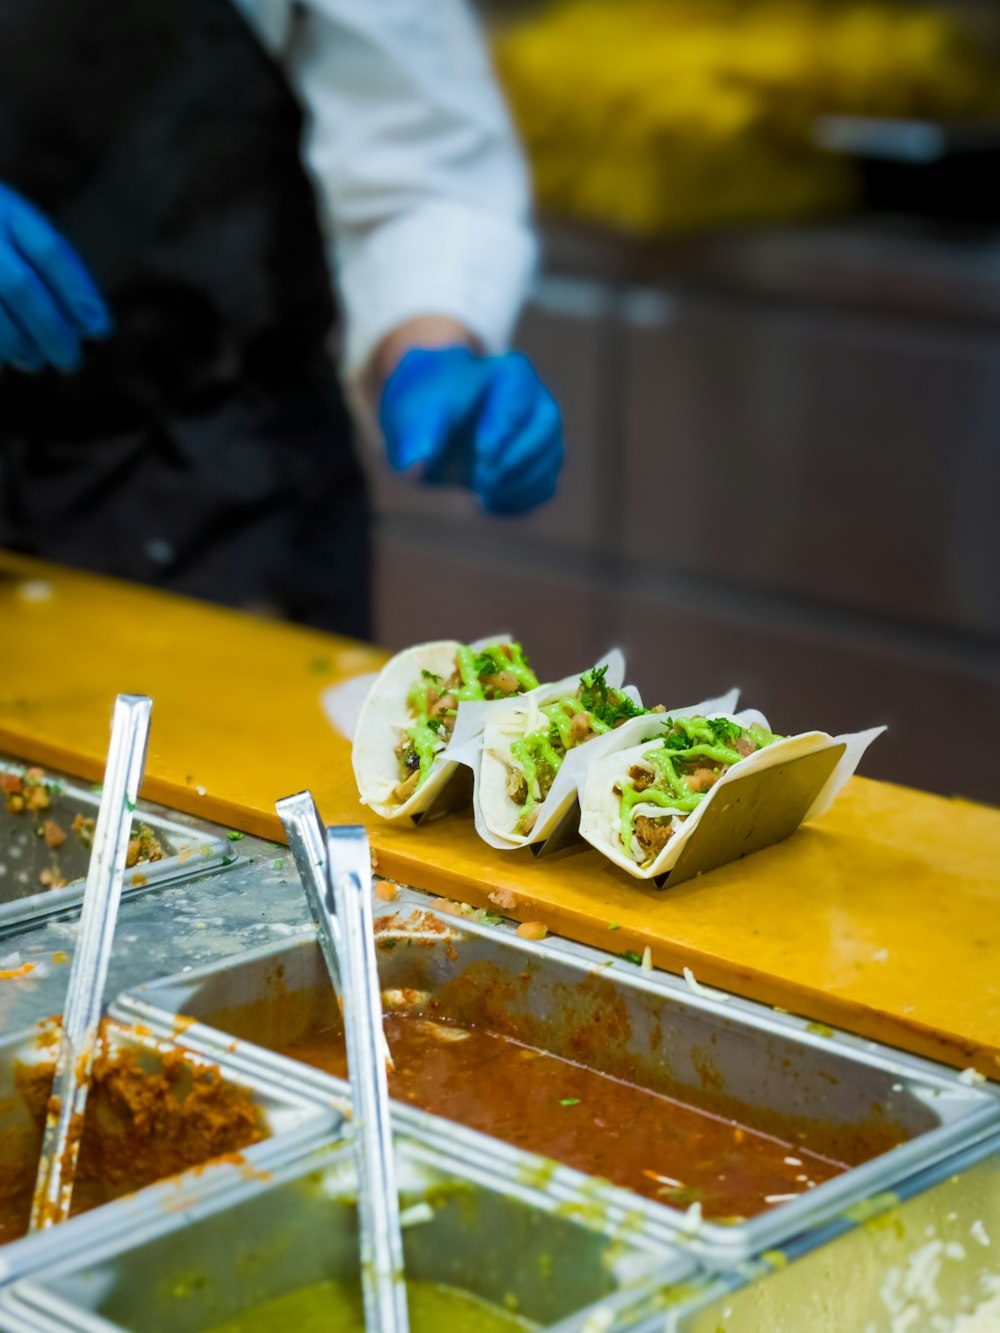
{"points": [[631, 956], [607, 704], [820, 1029], [724, 731], [613, 925], [677, 740], [489, 662], [234, 835], [570, 1101], [505, 657]]}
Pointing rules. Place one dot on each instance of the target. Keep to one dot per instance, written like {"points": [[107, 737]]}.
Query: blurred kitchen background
{"points": [[770, 309]]}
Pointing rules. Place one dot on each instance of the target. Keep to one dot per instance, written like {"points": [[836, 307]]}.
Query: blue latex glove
{"points": [[486, 422], [48, 301]]}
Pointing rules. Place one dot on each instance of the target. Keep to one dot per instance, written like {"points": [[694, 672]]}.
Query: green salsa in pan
{"points": [[338, 1305]]}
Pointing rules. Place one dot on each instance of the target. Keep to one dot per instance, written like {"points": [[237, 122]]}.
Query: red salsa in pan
{"points": [[640, 1139]]}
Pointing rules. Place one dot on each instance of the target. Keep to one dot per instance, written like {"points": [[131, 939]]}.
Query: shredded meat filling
{"points": [[651, 836], [580, 727], [517, 788], [502, 682], [641, 777], [406, 789]]}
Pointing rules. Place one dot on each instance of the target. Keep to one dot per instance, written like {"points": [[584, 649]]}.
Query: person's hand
{"points": [[48, 301], [486, 422]]}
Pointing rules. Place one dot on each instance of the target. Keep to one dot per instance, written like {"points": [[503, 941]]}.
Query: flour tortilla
{"points": [[600, 807], [385, 716]]}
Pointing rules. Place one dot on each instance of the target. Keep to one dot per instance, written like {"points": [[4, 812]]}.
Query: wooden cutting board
{"points": [[882, 917]]}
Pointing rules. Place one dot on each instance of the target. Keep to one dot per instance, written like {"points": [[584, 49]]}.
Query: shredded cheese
{"points": [[970, 1077], [706, 992]]}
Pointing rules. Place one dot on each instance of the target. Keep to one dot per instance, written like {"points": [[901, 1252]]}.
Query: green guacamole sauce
{"points": [[690, 744], [326, 1306]]}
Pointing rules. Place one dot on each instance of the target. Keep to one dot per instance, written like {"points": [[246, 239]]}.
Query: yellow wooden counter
{"points": [[882, 917]]}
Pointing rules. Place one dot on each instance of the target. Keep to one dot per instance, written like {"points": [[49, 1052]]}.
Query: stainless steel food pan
{"points": [[469, 1228], [717, 1051], [25, 855], [288, 1116]]}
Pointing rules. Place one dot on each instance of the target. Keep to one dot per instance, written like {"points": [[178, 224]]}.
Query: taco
{"points": [[640, 805], [402, 752], [523, 787]]}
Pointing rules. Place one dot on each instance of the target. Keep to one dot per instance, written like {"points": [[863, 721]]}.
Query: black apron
{"points": [[204, 447]]}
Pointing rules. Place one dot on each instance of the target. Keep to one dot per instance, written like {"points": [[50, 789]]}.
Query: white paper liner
{"points": [[601, 808], [495, 812], [342, 703]]}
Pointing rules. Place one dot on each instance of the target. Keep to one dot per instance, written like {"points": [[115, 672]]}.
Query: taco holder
{"points": [[761, 808], [453, 796], [565, 834]]}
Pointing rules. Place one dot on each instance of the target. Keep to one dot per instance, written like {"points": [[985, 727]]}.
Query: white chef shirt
{"points": [[421, 185]]}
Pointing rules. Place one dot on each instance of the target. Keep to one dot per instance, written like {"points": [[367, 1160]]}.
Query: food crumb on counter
{"points": [[145, 847], [83, 826], [385, 890], [971, 1077], [819, 1029], [503, 898], [11, 974], [531, 930], [35, 590], [29, 792], [53, 833], [707, 992]]}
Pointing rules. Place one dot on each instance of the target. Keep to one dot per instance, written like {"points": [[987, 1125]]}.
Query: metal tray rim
{"points": [[656, 981]]}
